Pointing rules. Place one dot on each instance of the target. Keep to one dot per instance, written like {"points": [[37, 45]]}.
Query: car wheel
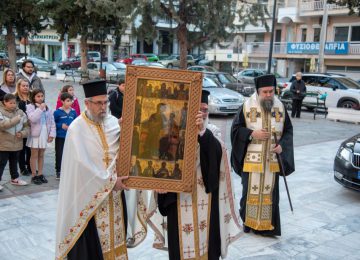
{"points": [[170, 66], [347, 104], [68, 67]]}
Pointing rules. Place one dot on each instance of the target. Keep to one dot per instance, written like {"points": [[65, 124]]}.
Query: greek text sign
{"points": [[331, 48]]}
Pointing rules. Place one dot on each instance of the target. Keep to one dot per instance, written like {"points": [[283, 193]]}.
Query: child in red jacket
{"points": [[69, 89]]}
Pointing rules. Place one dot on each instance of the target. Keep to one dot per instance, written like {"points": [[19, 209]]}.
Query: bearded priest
{"points": [[254, 158], [91, 217], [200, 224]]}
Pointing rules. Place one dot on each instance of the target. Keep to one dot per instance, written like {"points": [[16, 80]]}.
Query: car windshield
{"points": [[210, 83], [226, 78], [349, 83]]}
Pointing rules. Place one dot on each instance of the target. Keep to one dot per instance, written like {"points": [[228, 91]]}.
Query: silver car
{"points": [[114, 71], [174, 61], [222, 100]]}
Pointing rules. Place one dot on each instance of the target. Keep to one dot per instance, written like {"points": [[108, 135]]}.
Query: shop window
{"points": [[335, 68], [353, 69], [341, 34], [303, 34], [355, 33], [317, 34]]}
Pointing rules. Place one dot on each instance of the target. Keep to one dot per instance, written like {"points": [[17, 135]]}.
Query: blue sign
{"points": [[331, 48]]}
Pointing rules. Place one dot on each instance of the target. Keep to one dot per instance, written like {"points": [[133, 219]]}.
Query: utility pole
{"points": [[321, 67], [272, 39]]}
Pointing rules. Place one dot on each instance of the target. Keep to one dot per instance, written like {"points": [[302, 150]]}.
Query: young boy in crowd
{"points": [[13, 128], [63, 117]]}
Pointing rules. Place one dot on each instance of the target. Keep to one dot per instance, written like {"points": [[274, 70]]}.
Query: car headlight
{"points": [[214, 100], [345, 154]]}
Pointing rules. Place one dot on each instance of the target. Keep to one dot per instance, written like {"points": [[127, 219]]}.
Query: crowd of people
{"points": [[27, 124]]}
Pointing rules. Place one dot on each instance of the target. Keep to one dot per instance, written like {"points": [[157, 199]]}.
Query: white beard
{"points": [[96, 119]]}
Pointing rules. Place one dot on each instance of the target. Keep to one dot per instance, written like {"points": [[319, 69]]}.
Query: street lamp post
{"points": [[272, 39]]}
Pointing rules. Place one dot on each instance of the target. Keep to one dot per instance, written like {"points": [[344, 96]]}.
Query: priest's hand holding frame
{"points": [[261, 134], [119, 185], [161, 191], [277, 149], [200, 121]]}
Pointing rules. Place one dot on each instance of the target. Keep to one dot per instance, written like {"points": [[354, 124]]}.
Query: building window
{"points": [[317, 34], [303, 34], [355, 33], [254, 37], [341, 34]]}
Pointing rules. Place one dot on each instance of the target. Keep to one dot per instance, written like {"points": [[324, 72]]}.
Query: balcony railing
{"points": [[262, 48], [313, 6]]}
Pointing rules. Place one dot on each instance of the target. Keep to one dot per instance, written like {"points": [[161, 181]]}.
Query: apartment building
{"points": [[297, 40]]}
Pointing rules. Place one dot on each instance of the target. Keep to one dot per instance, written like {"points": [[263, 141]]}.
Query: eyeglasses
{"points": [[100, 103], [204, 110], [29, 67]]}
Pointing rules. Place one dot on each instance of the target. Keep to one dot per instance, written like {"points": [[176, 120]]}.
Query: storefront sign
{"points": [[45, 37], [331, 48]]}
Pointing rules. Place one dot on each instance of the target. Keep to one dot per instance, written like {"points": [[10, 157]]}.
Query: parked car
{"points": [[230, 82], [71, 63], [40, 64], [341, 91], [96, 56], [202, 68], [199, 58], [129, 59], [174, 61], [150, 64], [4, 60], [138, 61], [347, 163], [151, 57], [222, 100], [248, 75], [114, 71]]}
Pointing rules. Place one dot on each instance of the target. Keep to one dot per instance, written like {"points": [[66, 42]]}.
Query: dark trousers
{"points": [[59, 147], [296, 108], [24, 157], [12, 157]]}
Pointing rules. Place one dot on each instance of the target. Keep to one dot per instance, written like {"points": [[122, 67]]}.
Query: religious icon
{"points": [[159, 111]]}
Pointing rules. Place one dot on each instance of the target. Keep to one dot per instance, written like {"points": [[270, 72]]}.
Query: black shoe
{"points": [[36, 180], [246, 229], [25, 172], [42, 178], [58, 175]]}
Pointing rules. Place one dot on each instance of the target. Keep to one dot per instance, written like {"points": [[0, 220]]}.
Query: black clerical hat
{"points": [[94, 88], [205, 96], [268, 80]]}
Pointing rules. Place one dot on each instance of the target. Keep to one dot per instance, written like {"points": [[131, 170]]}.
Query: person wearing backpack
{"points": [[116, 97]]}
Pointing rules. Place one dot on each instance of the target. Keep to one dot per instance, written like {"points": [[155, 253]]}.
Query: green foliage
{"points": [[253, 14], [353, 5], [74, 16], [22, 14], [205, 20]]}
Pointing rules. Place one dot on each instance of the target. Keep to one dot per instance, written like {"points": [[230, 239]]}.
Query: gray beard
{"points": [[267, 104], [95, 119]]}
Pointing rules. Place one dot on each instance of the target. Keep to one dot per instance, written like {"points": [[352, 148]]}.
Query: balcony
{"points": [[280, 50], [316, 8]]}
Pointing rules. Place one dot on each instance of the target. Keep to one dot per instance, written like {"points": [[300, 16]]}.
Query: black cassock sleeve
{"points": [[239, 141], [286, 142], [210, 161]]}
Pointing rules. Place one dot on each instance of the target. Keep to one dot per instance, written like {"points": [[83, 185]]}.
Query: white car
{"points": [[341, 91], [222, 100]]}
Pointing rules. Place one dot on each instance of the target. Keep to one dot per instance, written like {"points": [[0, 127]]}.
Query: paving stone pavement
{"points": [[325, 223]]}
